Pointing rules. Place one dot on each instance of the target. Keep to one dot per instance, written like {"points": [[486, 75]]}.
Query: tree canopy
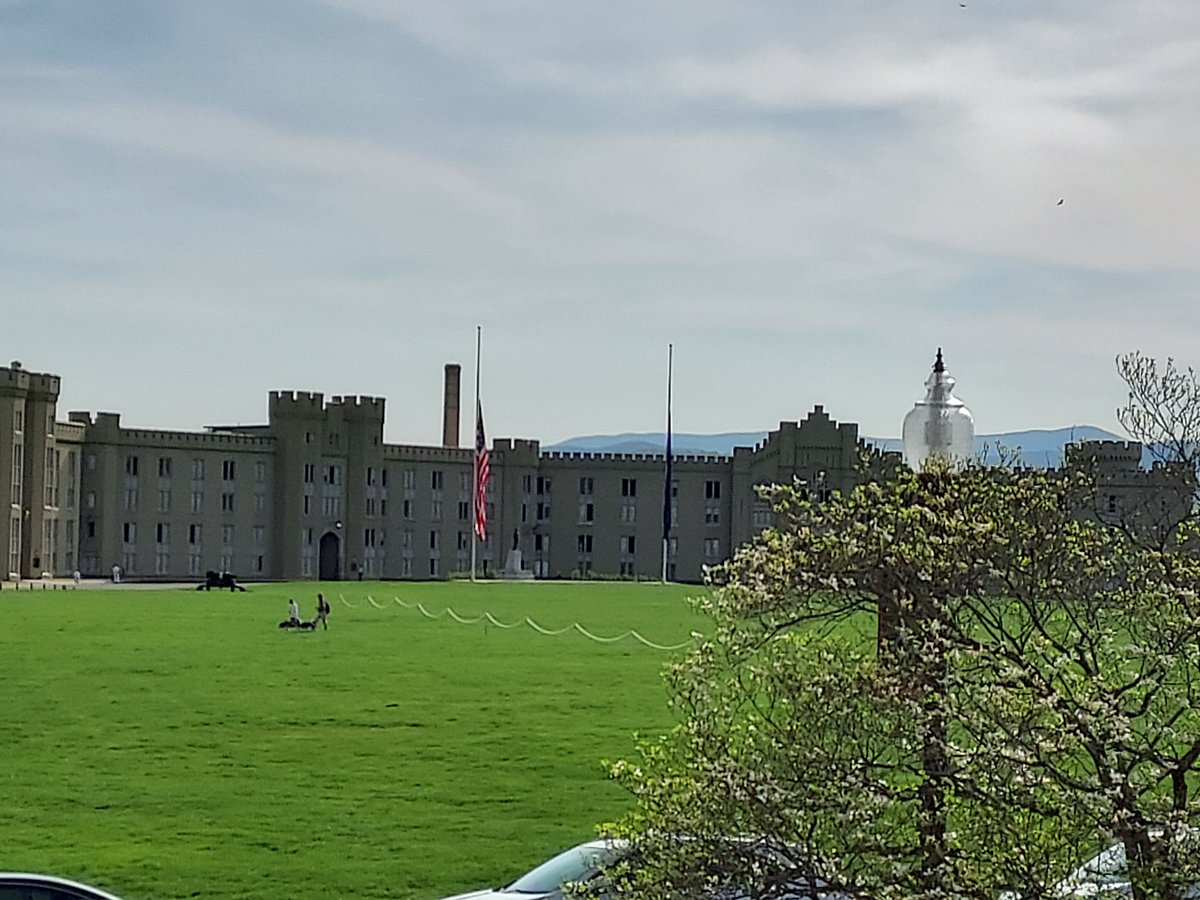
{"points": [[941, 685]]}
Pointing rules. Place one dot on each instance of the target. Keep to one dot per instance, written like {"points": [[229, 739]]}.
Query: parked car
{"points": [[579, 865], [27, 886], [585, 864], [1104, 876]]}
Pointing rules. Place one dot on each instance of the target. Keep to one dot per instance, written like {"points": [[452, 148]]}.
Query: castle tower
{"points": [[940, 426]]}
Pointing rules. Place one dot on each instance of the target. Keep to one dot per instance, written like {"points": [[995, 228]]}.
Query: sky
{"points": [[201, 202]]}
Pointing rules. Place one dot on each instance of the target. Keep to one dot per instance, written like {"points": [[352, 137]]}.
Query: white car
{"points": [[1103, 877], [585, 865], [27, 886], [578, 865]]}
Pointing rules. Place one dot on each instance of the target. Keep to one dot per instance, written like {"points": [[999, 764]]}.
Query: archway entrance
{"points": [[330, 568]]}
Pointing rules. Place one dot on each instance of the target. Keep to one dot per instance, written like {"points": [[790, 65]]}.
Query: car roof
{"points": [[33, 878]]}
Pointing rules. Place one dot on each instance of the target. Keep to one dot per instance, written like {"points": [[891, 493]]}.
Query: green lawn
{"points": [[170, 743]]}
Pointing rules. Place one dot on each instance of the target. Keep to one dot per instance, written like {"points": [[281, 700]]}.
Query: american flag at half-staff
{"points": [[483, 472]]}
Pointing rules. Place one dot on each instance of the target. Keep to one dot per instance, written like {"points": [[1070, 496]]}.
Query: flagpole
{"points": [[667, 468], [475, 460]]}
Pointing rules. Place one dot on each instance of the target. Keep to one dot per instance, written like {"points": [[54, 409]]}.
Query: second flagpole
{"points": [[475, 461]]}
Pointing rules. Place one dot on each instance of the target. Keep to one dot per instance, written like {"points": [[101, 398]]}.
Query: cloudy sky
{"points": [[204, 201]]}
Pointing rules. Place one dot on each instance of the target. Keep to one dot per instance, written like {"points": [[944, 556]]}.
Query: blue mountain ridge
{"points": [[1038, 447]]}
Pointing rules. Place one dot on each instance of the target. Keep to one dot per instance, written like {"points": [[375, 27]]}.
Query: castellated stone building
{"points": [[316, 494]]}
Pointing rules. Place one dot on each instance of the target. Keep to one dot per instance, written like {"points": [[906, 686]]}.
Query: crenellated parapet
{"points": [[296, 405], [712, 461], [1122, 454], [359, 409]]}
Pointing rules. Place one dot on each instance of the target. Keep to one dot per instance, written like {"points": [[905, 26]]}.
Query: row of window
{"points": [[228, 468], [627, 546], [195, 532]]}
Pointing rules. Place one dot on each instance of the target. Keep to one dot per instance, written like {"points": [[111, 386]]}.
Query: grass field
{"points": [[170, 743]]}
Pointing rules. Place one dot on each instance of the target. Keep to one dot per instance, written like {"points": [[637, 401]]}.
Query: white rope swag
{"points": [[492, 620]]}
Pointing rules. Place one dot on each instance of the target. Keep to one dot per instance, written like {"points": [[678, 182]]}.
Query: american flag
{"points": [[483, 472]]}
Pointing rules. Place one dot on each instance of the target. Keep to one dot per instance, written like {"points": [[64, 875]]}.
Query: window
{"points": [[227, 535], [18, 475], [227, 502], [368, 537], [712, 490], [435, 510], [433, 540], [628, 543], [527, 483], [131, 465], [260, 471], [164, 467], [259, 535], [370, 476], [410, 479], [586, 512], [628, 512], [628, 487], [407, 509], [543, 485], [197, 501], [370, 506], [162, 533], [131, 499], [435, 479], [331, 475], [89, 500], [712, 514], [585, 487], [164, 501], [18, 420], [71, 479], [433, 566], [310, 473], [584, 543], [193, 534], [712, 550], [543, 510], [462, 541], [464, 481], [194, 564], [197, 470], [1112, 503], [464, 510], [227, 470], [260, 502], [129, 533]]}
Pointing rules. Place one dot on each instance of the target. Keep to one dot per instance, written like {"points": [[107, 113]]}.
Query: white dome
{"points": [[940, 426]]}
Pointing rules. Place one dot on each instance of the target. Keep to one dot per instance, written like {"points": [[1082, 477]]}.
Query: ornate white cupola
{"points": [[940, 426]]}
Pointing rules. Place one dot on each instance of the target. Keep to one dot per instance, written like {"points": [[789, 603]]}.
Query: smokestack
{"points": [[450, 414]]}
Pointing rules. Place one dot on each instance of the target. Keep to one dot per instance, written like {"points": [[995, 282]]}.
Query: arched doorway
{"points": [[330, 565]]}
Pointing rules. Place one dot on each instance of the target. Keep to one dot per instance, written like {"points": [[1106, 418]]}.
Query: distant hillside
{"points": [[1042, 447]]}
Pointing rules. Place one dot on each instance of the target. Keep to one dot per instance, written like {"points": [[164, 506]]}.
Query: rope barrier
{"points": [[551, 632]]}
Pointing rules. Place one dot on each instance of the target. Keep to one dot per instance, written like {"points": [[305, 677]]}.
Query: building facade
{"points": [[316, 493]]}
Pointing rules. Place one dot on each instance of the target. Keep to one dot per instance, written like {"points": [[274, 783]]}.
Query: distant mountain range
{"points": [[1041, 447]]}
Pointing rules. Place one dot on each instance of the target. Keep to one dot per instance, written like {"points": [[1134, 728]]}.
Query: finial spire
{"points": [[938, 365]]}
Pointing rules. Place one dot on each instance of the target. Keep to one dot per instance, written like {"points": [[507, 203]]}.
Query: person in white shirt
{"points": [[116, 573], [294, 611]]}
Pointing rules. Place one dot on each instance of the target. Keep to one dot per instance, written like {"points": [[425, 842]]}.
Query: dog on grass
{"points": [[299, 626]]}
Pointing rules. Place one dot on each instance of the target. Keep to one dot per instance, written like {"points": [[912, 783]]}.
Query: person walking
{"points": [[322, 611]]}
